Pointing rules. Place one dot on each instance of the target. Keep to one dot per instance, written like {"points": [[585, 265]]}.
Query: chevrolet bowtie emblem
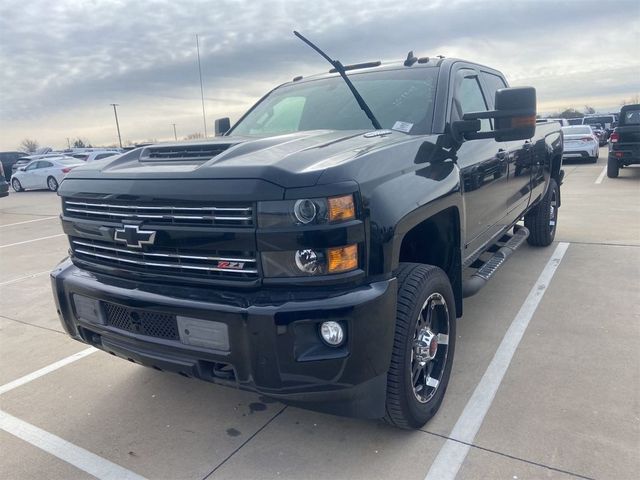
{"points": [[133, 236]]}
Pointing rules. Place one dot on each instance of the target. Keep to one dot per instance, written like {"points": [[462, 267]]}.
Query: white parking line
{"points": [[452, 454], [26, 277], [32, 240], [78, 457], [601, 176], [48, 369], [27, 221]]}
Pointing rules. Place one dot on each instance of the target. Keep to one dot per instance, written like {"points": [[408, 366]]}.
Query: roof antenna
{"points": [[410, 59], [340, 69]]}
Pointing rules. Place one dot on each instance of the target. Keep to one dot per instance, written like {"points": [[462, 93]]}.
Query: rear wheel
{"points": [[52, 183], [613, 168], [17, 186], [542, 220], [423, 345]]}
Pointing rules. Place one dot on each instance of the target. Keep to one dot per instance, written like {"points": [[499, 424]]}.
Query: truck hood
{"points": [[290, 161]]}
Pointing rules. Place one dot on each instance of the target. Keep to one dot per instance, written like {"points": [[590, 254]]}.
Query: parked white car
{"points": [[580, 141], [43, 173]]}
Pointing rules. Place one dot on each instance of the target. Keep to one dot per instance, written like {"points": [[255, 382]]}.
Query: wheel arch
{"points": [[436, 240]]}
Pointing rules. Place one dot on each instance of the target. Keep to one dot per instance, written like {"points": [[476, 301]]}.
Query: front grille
{"points": [[159, 325], [168, 261], [218, 215]]}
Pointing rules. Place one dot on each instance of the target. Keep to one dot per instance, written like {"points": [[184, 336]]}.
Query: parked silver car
{"points": [[43, 173]]}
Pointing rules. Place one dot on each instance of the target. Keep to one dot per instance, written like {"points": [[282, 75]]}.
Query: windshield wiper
{"points": [[341, 70]]}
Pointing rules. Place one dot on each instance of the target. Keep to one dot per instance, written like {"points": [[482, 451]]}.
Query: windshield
{"points": [[398, 98], [592, 120], [576, 130]]}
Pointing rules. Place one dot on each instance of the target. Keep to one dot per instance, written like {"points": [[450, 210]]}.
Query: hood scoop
{"points": [[169, 153]]}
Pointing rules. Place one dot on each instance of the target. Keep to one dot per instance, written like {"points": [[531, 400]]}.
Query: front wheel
{"points": [[52, 183], [16, 185], [423, 345]]}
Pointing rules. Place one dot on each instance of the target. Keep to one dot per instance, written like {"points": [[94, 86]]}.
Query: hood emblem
{"points": [[132, 236]]}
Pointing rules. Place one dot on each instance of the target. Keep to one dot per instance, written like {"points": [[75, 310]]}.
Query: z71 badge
{"points": [[230, 265]]}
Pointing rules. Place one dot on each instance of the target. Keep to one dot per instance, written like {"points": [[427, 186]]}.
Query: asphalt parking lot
{"points": [[568, 405]]}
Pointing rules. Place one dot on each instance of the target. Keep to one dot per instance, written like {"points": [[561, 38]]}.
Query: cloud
{"points": [[64, 62]]}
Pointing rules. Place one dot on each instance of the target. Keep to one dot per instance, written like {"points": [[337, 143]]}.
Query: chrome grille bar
{"points": [[164, 255], [164, 265], [240, 216]]}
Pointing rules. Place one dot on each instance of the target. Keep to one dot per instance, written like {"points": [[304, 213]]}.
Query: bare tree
{"points": [[589, 110], [28, 145], [631, 101], [81, 143]]}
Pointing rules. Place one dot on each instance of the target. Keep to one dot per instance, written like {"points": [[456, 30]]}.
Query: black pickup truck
{"points": [[318, 252], [624, 143]]}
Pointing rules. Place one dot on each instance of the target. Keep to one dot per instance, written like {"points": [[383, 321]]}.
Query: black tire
{"points": [[425, 301], [16, 185], [52, 184], [613, 168], [542, 221]]}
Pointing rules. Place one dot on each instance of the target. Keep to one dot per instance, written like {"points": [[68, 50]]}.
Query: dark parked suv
{"points": [[8, 159], [624, 143]]}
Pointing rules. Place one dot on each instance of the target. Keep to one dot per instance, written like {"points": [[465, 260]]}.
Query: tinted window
{"points": [[32, 166], [394, 96], [604, 119], [44, 164], [469, 98], [631, 117]]}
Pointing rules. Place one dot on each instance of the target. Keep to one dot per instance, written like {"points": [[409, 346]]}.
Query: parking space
{"points": [[567, 406]]}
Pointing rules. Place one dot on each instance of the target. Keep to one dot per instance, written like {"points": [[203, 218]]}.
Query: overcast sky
{"points": [[63, 62]]}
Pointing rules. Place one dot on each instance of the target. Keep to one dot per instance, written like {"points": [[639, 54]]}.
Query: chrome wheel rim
{"points": [[53, 185], [553, 212], [430, 348]]}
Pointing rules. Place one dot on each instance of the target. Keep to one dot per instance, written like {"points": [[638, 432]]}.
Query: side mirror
{"points": [[517, 113], [514, 116], [21, 169], [222, 126]]}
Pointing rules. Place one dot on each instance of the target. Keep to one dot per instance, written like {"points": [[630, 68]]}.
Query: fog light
{"points": [[310, 261], [332, 333]]}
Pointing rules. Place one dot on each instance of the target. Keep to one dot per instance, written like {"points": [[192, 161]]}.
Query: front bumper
{"points": [[273, 346]]}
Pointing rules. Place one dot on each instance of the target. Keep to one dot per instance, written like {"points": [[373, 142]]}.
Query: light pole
{"points": [[115, 112], [204, 117], [174, 132]]}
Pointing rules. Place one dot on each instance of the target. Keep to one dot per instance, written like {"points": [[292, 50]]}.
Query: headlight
{"points": [[307, 211], [310, 262]]}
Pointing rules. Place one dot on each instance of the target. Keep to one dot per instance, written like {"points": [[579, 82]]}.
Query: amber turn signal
{"points": [[341, 208], [342, 259]]}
